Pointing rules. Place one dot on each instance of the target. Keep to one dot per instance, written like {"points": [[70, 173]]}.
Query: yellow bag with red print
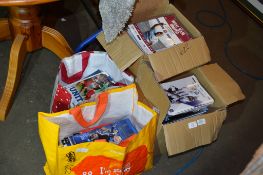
{"points": [[100, 158]]}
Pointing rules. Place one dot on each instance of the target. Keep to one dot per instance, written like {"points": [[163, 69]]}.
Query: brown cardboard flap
{"points": [[123, 51], [151, 89], [180, 58], [221, 83], [193, 132], [146, 9]]}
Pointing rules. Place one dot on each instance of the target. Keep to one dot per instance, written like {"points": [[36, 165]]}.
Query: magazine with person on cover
{"points": [[85, 90], [115, 133], [158, 33], [186, 95]]}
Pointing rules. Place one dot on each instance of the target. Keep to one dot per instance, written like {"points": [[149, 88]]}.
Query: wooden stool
{"points": [[24, 27]]}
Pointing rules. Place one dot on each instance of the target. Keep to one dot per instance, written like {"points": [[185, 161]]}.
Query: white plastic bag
{"points": [[77, 68]]}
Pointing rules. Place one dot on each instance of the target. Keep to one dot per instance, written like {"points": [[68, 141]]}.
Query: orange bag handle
{"points": [[100, 109]]}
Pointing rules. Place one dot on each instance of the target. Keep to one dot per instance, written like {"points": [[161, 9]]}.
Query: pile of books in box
{"points": [[188, 99], [158, 34]]}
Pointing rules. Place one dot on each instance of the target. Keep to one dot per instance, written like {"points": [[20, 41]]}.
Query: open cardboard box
{"points": [[188, 56], [166, 63], [192, 132]]}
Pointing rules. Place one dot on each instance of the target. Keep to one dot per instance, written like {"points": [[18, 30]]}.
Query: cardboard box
{"points": [[151, 69], [196, 131], [166, 63]]}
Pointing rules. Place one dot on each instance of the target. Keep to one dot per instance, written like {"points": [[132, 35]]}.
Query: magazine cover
{"points": [[115, 133], [157, 34], [186, 95], [85, 90]]}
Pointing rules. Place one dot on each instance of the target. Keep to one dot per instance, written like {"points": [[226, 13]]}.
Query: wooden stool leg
{"points": [[17, 55], [54, 41], [4, 30]]}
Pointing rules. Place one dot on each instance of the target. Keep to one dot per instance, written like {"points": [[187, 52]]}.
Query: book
{"points": [[178, 117], [186, 95], [116, 133], [86, 89], [158, 33]]}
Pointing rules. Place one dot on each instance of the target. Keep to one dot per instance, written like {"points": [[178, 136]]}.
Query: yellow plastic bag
{"points": [[100, 158]]}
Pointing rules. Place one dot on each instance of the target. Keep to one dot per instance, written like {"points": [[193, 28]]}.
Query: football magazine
{"points": [[186, 95], [158, 33], [85, 90]]}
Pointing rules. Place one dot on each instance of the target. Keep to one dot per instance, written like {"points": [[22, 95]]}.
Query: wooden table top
{"points": [[23, 2]]}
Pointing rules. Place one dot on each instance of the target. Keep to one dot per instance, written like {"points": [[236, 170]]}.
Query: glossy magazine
{"points": [[186, 95]]}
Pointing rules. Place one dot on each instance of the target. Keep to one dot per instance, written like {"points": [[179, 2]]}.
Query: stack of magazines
{"points": [[116, 133], [188, 98], [158, 33]]}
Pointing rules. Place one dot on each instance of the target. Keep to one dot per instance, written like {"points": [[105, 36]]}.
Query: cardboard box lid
{"points": [[179, 58], [151, 89], [123, 51], [222, 85], [145, 9], [193, 132], [166, 63]]}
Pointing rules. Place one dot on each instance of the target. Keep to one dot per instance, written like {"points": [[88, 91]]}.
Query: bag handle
{"points": [[78, 75], [100, 109]]}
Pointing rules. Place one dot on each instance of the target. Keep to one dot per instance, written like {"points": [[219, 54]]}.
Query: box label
{"points": [[201, 122], [192, 125]]}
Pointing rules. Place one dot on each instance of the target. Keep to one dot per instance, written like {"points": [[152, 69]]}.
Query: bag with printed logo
{"points": [[100, 157]]}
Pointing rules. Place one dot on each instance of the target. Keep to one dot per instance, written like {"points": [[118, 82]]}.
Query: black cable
{"points": [[223, 22]]}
